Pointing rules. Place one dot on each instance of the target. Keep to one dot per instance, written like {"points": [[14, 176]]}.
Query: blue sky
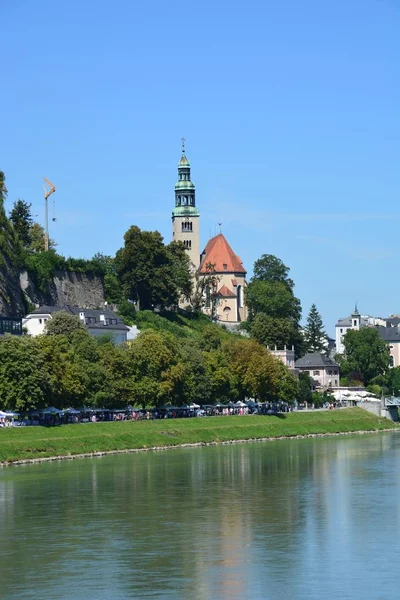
{"points": [[290, 112]]}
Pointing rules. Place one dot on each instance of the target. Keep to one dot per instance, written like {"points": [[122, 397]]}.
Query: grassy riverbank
{"points": [[38, 442]]}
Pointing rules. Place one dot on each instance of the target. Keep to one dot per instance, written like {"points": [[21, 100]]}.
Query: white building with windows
{"points": [[322, 369], [97, 321], [355, 321]]}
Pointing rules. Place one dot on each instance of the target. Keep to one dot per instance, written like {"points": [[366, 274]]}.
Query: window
{"points": [[187, 226], [315, 372], [354, 322], [341, 331], [208, 297], [239, 296], [40, 321], [187, 244], [225, 266]]}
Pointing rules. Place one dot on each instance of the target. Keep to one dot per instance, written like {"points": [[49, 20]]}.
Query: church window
{"points": [[239, 296], [184, 200], [187, 244], [354, 323], [208, 297], [187, 226]]}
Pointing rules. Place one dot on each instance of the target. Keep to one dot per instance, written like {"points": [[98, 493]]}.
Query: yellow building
{"points": [[226, 302]]}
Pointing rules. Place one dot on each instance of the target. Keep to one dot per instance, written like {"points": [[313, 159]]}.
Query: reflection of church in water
{"points": [[228, 267]]}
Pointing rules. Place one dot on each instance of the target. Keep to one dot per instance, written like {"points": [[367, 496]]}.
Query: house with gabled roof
{"points": [[321, 368], [97, 321]]}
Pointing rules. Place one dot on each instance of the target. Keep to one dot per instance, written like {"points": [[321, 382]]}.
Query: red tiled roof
{"points": [[225, 291], [219, 253]]}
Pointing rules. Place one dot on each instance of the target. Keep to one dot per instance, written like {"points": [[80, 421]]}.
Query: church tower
{"points": [[185, 216]]}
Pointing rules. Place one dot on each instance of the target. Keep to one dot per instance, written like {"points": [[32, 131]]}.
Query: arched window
{"points": [[239, 296]]}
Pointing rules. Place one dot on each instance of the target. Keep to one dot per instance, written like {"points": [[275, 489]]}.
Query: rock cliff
{"points": [[66, 287]]}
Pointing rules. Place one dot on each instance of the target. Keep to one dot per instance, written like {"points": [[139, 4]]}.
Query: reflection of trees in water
{"points": [[200, 517]]}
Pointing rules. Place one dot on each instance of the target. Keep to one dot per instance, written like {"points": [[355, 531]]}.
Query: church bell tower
{"points": [[185, 216]]}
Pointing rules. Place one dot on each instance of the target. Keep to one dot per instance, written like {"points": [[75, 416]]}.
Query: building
{"points": [[185, 216], [355, 321], [286, 356], [228, 270], [12, 325], [388, 329], [322, 369], [227, 302], [97, 322]]}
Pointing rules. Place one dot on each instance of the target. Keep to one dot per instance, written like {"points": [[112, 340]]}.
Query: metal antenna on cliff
{"points": [[49, 189]]}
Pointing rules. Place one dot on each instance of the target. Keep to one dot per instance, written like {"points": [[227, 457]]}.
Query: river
{"points": [[296, 519]]}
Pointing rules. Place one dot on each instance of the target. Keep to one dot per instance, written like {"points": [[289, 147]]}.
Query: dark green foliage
{"points": [[63, 323], [305, 389], [152, 274], [21, 218], [366, 355], [274, 311], [271, 268], [24, 382], [315, 338]]}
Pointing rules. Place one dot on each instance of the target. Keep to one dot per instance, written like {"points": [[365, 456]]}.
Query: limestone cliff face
{"points": [[78, 289], [11, 296]]}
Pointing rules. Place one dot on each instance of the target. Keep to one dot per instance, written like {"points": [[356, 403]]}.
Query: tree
{"points": [[147, 270], [272, 298], [205, 293], [365, 353], [274, 310], [304, 395], [112, 287], [315, 338], [271, 268], [3, 188], [36, 234], [62, 323], [180, 266], [24, 381], [21, 218], [277, 331]]}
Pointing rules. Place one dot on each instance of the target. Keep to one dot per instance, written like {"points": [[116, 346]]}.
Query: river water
{"points": [[297, 519]]}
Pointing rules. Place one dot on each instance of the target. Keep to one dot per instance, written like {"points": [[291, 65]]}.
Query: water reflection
{"points": [[297, 519]]}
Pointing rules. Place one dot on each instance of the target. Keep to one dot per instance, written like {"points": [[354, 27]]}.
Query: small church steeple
{"points": [[185, 215]]}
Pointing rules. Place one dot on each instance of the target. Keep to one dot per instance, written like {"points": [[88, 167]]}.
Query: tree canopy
{"points": [[274, 310], [366, 355], [151, 273]]}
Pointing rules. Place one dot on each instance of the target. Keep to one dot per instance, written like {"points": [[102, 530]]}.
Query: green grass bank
{"points": [[67, 440]]}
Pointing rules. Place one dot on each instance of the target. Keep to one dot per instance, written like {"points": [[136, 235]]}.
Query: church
{"points": [[228, 270]]}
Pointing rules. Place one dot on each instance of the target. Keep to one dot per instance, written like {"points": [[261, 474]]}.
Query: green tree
{"points": [[3, 188], [277, 331], [36, 235], [147, 270], [274, 310], [304, 395], [205, 291], [365, 353], [62, 323], [315, 338], [179, 262], [270, 268], [112, 287], [24, 381], [21, 218]]}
